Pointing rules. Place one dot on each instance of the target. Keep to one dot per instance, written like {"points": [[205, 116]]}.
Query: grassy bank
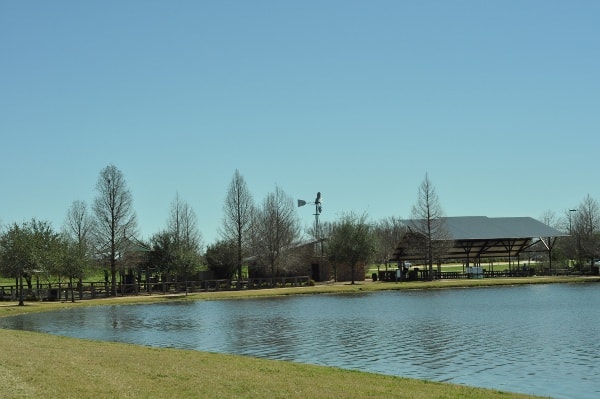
{"points": [[39, 365]]}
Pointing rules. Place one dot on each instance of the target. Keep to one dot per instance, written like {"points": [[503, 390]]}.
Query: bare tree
{"points": [[183, 224], [237, 220], [78, 229], [428, 221], [549, 218], [79, 225], [276, 229], [187, 240], [567, 246], [115, 217], [586, 229], [389, 232]]}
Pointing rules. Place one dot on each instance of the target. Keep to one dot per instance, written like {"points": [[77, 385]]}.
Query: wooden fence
{"points": [[99, 289]]}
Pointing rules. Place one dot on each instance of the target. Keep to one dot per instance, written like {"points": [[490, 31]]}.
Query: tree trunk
{"points": [[113, 276], [21, 299], [72, 289]]}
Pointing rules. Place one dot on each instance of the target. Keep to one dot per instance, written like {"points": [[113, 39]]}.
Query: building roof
{"points": [[482, 227], [480, 236]]}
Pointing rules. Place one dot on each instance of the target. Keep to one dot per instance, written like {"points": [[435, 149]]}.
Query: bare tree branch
{"points": [[238, 212], [115, 218], [276, 229], [428, 220]]}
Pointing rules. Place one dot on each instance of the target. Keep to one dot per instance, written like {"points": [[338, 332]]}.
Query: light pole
{"points": [[570, 228]]}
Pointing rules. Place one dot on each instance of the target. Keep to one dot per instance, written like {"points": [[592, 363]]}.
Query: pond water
{"points": [[536, 339]]}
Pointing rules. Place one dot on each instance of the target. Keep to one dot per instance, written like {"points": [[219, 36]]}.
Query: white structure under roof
{"points": [[476, 237]]}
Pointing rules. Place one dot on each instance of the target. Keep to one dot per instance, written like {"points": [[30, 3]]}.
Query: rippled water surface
{"points": [[543, 339]]}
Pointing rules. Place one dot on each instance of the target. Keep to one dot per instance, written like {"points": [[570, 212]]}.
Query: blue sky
{"points": [[497, 101]]}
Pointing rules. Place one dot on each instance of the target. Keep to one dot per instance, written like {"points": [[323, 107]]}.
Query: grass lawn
{"points": [[40, 365]]}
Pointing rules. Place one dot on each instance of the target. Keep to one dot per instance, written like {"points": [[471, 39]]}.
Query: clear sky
{"points": [[497, 101]]}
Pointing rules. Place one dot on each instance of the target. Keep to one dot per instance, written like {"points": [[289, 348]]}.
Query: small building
{"points": [[304, 259]]}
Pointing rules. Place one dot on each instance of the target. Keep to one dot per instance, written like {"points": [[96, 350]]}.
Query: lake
{"points": [[535, 339]]}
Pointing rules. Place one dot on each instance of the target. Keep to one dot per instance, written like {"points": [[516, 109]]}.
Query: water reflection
{"points": [[534, 339]]}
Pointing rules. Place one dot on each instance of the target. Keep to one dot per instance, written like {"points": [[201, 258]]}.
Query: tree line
{"points": [[580, 250], [103, 236], [266, 234]]}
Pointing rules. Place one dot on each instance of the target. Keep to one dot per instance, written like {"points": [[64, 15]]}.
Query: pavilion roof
{"points": [[481, 236]]}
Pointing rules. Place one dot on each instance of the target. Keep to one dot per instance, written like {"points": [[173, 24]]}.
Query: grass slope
{"points": [[38, 365]]}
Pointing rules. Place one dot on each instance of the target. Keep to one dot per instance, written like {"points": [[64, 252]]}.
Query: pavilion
{"points": [[470, 238]]}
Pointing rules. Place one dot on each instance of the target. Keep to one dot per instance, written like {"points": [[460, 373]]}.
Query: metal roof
{"points": [[480, 236], [482, 227]]}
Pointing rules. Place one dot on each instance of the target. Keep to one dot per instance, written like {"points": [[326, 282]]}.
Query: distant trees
{"points": [[568, 244], [268, 232], [32, 247], [238, 211], [221, 259], [177, 249], [163, 254], [115, 217], [585, 231], [79, 225], [74, 264], [428, 222], [187, 240], [275, 229], [183, 225], [389, 232], [351, 242], [549, 243], [78, 231], [35, 248]]}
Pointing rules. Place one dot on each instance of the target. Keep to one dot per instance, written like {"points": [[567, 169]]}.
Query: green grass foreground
{"points": [[39, 365]]}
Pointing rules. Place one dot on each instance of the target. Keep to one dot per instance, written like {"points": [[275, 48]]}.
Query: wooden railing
{"points": [[98, 289]]}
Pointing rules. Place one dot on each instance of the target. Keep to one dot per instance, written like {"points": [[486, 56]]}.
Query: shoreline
{"points": [[10, 308]]}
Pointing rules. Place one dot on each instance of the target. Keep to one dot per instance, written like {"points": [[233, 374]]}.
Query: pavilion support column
{"points": [[549, 244], [467, 248]]}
